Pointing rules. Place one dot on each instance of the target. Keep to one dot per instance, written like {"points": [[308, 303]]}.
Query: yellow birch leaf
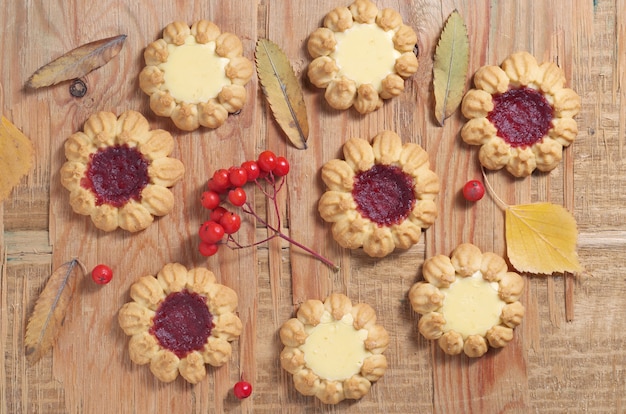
{"points": [[16, 157], [450, 67], [541, 238]]}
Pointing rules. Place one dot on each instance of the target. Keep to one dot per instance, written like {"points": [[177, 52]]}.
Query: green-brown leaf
{"points": [[77, 62], [450, 67], [47, 317], [283, 92]]}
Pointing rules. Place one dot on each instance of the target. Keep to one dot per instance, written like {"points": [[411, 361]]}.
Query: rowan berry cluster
{"points": [[226, 187], [225, 197]]}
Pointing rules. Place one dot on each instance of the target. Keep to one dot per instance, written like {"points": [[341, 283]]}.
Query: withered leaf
{"points": [[541, 238], [283, 92], [450, 67], [77, 62], [16, 157], [45, 322]]}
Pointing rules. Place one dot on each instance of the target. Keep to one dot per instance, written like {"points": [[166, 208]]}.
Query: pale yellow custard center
{"points": [[471, 305], [334, 349], [193, 72], [365, 53]]}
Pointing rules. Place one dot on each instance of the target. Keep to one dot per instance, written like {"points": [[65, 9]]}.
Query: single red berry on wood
{"points": [[102, 274], [282, 167], [267, 161], [473, 190], [242, 389]]}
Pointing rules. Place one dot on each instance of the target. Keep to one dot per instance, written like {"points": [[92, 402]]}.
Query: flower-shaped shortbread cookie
{"points": [[118, 171], [179, 321], [468, 301], [381, 196], [361, 56], [520, 114], [195, 75], [334, 349]]}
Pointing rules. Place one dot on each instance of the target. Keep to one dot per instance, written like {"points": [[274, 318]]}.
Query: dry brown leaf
{"points": [[77, 62], [283, 92], [45, 322], [16, 157], [450, 67], [541, 238]]}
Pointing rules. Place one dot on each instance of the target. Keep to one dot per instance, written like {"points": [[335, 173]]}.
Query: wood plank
{"points": [[462, 384], [564, 358], [170, 239]]}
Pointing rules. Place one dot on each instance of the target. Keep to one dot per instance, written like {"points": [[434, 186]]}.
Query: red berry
{"points": [[473, 190], [207, 249], [263, 173], [242, 389], [282, 167], [267, 161], [210, 199], [220, 181], [252, 168], [102, 274], [213, 186], [237, 196], [231, 222], [217, 214], [211, 232], [237, 176]]}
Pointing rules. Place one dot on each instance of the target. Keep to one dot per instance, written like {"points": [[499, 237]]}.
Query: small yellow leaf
{"points": [[541, 238], [16, 157], [450, 67]]}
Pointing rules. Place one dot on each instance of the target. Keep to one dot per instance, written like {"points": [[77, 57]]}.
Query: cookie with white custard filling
{"points": [[468, 302], [334, 349], [195, 75], [361, 56]]}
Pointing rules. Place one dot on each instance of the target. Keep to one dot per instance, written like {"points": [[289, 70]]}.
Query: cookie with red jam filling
{"points": [[180, 320], [118, 171], [380, 196], [521, 115]]}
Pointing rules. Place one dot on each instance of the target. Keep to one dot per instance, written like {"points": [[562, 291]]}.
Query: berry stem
{"points": [[492, 192], [268, 174], [249, 210]]}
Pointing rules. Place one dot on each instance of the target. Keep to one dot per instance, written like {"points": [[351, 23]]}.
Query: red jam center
{"points": [[384, 194], [116, 175], [521, 116], [182, 323]]}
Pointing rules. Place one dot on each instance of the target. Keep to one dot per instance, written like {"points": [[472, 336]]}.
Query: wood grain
{"points": [[569, 354]]}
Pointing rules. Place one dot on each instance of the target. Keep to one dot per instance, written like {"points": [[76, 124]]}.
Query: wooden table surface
{"points": [[569, 354]]}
